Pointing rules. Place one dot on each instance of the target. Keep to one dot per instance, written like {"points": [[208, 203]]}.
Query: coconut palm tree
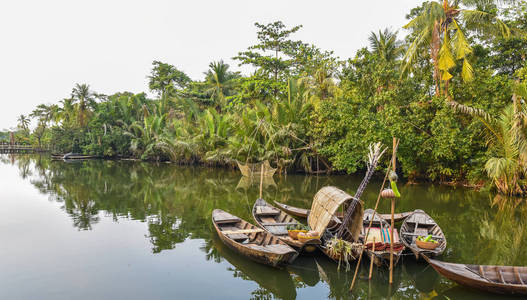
{"points": [[219, 83], [385, 45], [83, 99], [45, 113], [441, 27], [23, 122], [507, 140], [65, 114]]}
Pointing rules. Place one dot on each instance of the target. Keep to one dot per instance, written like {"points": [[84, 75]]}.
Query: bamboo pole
{"points": [[371, 262], [261, 180], [395, 142], [371, 221]]}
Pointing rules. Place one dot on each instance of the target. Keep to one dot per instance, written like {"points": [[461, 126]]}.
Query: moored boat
{"points": [[251, 241], [77, 156], [295, 211], [494, 279], [419, 224], [380, 234], [303, 213], [276, 222]]}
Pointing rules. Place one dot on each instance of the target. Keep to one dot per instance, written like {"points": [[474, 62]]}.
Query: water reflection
{"points": [[175, 203]]}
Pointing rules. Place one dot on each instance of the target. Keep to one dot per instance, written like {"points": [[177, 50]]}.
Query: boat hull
{"points": [[460, 274], [258, 253]]}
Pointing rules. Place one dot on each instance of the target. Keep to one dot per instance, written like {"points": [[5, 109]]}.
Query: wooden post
{"points": [[372, 257], [395, 142], [261, 180], [371, 221], [391, 242]]}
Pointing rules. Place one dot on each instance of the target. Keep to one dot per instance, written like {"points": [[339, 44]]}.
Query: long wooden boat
{"points": [[302, 212], [275, 221], [77, 156], [251, 241], [380, 229], [418, 224], [494, 279]]}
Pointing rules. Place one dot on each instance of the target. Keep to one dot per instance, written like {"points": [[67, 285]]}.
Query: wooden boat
{"points": [[276, 221], [295, 211], [380, 229], [494, 279], [251, 241], [302, 212], [421, 224], [77, 156]]}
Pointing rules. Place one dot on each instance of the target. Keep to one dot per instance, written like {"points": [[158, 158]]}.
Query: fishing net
{"points": [[255, 169]]}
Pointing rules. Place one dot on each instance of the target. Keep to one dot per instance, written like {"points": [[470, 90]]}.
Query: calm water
{"points": [[133, 230]]}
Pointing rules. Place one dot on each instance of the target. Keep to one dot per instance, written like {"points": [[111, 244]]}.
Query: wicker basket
{"points": [[305, 238], [294, 233], [426, 245]]}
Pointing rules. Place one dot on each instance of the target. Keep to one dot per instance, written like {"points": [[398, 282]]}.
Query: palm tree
{"points": [[23, 122], [218, 80], [507, 140], [385, 45], [84, 98], [45, 113], [66, 112], [438, 27]]}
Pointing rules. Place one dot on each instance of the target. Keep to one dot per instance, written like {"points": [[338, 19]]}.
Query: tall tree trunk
{"points": [[434, 54]]}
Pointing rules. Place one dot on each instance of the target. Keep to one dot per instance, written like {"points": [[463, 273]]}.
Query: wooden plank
{"points": [[267, 220], [242, 231], [279, 224], [518, 276], [500, 275], [224, 217], [266, 210]]}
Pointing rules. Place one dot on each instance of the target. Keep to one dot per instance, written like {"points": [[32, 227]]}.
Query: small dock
{"points": [[20, 148]]}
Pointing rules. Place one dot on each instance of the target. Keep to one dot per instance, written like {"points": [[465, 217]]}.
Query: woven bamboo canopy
{"points": [[325, 205], [250, 170]]}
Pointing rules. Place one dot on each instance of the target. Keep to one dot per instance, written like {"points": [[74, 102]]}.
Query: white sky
{"points": [[48, 46]]}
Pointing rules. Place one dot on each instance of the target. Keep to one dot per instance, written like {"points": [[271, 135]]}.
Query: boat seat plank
{"points": [[225, 218], [420, 219], [267, 220], [266, 210], [240, 231]]}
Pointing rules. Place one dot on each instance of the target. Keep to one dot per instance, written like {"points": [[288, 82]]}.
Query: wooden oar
{"points": [[261, 181]]}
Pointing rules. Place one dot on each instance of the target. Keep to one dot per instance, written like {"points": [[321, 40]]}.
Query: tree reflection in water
{"points": [[176, 203]]}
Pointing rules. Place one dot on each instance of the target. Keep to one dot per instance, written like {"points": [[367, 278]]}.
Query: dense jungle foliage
{"points": [[453, 90]]}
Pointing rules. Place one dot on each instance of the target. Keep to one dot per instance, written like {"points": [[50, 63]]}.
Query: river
{"points": [[138, 230]]}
